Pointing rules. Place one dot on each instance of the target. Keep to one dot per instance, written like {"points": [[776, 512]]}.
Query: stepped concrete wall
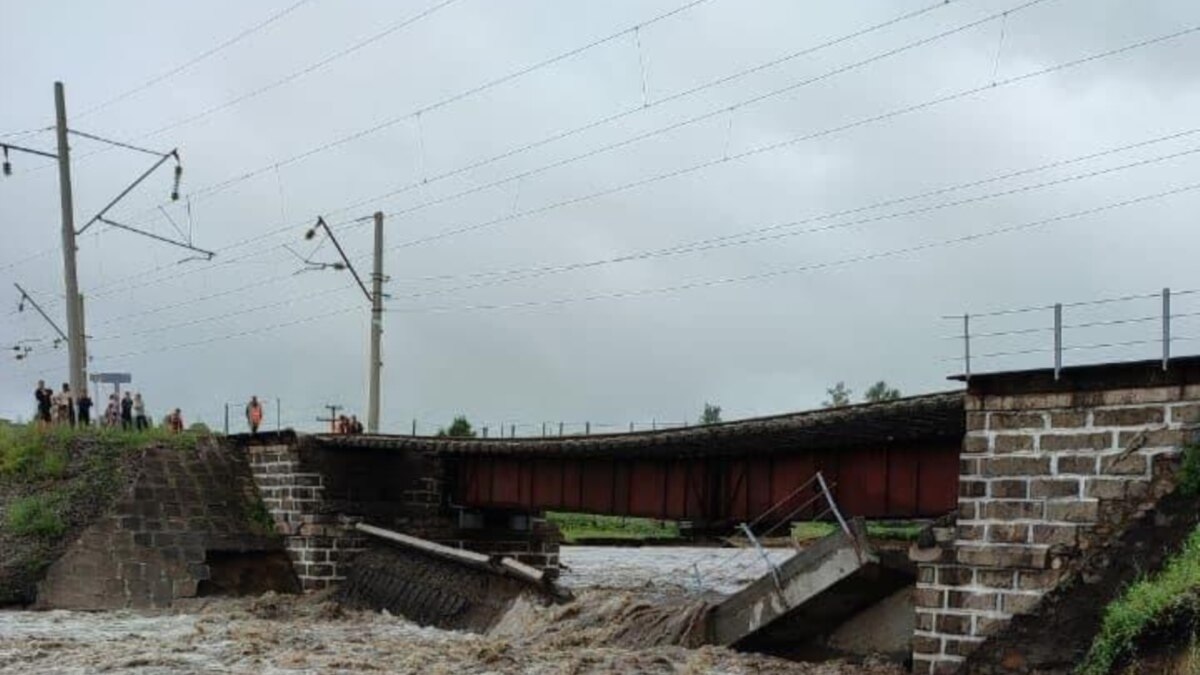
{"points": [[316, 492], [1051, 471], [185, 526]]}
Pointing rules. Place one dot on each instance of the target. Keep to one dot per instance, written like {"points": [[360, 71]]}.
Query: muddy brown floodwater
{"points": [[605, 630]]}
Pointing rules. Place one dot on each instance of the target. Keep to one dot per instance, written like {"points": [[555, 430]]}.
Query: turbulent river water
{"points": [[602, 631]]}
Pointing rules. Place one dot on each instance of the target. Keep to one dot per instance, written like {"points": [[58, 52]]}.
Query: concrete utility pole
{"points": [[77, 364], [376, 328]]}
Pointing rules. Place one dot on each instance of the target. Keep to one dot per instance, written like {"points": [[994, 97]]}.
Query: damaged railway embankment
{"points": [[101, 519]]}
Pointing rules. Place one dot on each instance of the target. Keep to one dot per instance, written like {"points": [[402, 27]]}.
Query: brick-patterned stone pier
{"points": [[185, 517], [1051, 470], [317, 488]]}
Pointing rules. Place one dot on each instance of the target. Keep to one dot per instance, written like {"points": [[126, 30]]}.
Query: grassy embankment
{"points": [[54, 482], [580, 527], [807, 531], [1154, 602]]}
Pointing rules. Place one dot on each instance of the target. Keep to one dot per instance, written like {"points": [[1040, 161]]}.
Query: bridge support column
{"points": [[1052, 471]]}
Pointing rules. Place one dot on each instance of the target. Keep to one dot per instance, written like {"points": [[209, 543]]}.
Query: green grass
{"points": [[810, 530], [27, 452], [36, 516], [1147, 603], [581, 526]]}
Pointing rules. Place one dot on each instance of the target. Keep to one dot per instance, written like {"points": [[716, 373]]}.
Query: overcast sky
{"points": [[760, 326]]}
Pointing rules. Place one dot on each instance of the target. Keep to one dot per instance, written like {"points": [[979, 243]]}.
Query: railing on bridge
{"points": [[1144, 326], [717, 568]]}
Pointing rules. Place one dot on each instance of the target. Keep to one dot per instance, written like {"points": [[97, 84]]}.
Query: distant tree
{"points": [[459, 428], [880, 391], [711, 415], [199, 428], [839, 396]]}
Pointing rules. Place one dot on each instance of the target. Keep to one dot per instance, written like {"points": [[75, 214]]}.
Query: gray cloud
{"points": [[755, 347]]}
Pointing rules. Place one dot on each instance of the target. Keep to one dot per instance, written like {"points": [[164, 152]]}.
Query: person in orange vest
{"points": [[175, 421], [254, 414]]}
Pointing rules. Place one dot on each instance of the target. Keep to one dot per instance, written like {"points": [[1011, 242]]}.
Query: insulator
{"points": [[175, 187]]}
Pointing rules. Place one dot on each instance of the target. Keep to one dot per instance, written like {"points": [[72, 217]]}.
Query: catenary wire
{"points": [[660, 17], [194, 60], [929, 103], [758, 276], [558, 136], [888, 115], [722, 241], [708, 283]]}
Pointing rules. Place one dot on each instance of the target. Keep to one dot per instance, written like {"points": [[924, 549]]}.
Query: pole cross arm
{"points": [[25, 297], [321, 223], [208, 255], [32, 151], [127, 190]]}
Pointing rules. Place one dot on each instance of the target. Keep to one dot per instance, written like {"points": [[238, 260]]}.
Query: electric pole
{"points": [[375, 297], [74, 303], [376, 328], [333, 416]]}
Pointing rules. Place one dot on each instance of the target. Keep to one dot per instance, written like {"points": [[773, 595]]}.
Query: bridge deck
{"points": [[897, 459]]}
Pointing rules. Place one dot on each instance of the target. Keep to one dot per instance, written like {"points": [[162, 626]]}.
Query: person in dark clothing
{"points": [[44, 403], [84, 404], [127, 412]]}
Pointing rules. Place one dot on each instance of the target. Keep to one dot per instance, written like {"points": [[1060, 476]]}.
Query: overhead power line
{"points": [[172, 72], [782, 230], [558, 136], [291, 77], [459, 96], [609, 147], [690, 246], [829, 215], [929, 103], [745, 237], [175, 70], [700, 284], [868, 120], [761, 276], [426, 109]]}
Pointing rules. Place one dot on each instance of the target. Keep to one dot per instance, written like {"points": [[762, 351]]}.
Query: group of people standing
{"points": [[127, 412], [60, 408], [347, 426]]}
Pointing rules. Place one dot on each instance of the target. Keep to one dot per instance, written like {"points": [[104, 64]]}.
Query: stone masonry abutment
{"points": [[316, 490], [1051, 472]]}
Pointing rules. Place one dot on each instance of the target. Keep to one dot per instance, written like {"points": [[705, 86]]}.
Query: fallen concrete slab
{"points": [[436, 585], [805, 579]]}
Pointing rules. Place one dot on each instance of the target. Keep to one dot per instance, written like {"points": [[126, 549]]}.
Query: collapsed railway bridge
{"points": [[1049, 491], [897, 459], [1043, 475]]}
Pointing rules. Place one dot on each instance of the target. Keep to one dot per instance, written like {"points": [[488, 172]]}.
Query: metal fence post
{"points": [[278, 415], [1057, 339], [967, 346], [513, 431], [1166, 327], [560, 428], [543, 429], [226, 419], [485, 432], [414, 427], [587, 428]]}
